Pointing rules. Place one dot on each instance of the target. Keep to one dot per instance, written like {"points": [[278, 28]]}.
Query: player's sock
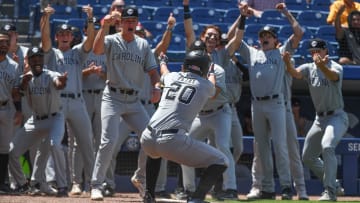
{"points": [[152, 173], [208, 179], [4, 160], [218, 185]]}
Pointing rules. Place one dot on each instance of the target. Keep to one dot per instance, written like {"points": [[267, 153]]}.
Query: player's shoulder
{"points": [[11, 61]]}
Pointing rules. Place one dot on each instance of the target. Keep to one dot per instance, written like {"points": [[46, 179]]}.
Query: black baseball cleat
{"points": [[267, 195], [148, 198], [286, 194]]}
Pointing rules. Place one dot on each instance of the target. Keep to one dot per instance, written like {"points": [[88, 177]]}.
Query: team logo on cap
{"points": [[130, 11], [35, 50], [64, 27], [314, 43], [197, 43], [7, 27]]}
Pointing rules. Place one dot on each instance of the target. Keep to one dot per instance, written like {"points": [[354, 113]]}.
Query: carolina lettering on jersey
{"points": [[39, 90], [96, 61], [128, 56], [268, 61], [6, 77], [318, 82]]}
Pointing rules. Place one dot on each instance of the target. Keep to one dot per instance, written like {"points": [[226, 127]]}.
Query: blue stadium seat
{"points": [[320, 5], [222, 5], [77, 22], [326, 32], [152, 4], [176, 50], [65, 12], [301, 54], [86, 2], [231, 15], [224, 27], [252, 30], [252, 41], [154, 27], [311, 18], [193, 3], [179, 28], [272, 16], [297, 5], [162, 14], [286, 30], [144, 14], [205, 15], [98, 10]]}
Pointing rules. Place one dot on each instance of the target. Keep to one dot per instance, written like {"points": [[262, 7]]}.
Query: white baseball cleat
{"points": [[96, 194], [75, 189], [139, 185], [253, 194]]}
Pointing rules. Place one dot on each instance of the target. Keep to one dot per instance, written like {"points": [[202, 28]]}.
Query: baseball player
{"points": [[296, 167], [266, 75], [8, 82], [69, 59], [324, 78], [185, 93], [128, 59], [93, 82], [45, 128], [216, 115], [138, 179]]}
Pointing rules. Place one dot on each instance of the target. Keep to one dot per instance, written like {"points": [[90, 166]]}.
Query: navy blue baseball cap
{"points": [[316, 43], [268, 29], [35, 51], [8, 27], [130, 12]]}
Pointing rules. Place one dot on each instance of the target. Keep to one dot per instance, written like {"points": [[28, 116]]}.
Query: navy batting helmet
{"points": [[197, 61]]}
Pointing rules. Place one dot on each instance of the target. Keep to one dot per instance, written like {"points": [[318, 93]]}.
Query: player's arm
{"points": [[321, 63], [235, 41], [338, 28], [155, 81], [99, 45], [16, 96], [163, 59], [188, 24], [60, 81], [163, 45], [298, 32], [88, 43], [45, 28], [290, 67]]}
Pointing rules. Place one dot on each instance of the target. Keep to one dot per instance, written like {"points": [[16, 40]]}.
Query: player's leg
{"points": [[276, 115], [296, 166], [336, 127], [160, 189], [236, 135], [80, 126], [198, 131], [262, 138], [256, 173]]}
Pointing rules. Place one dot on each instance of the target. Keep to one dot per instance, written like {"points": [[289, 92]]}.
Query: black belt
{"points": [[146, 102], [124, 91], [212, 110], [70, 95], [325, 113], [45, 116], [266, 97], [167, 131], [97, 91], [3, 103]]}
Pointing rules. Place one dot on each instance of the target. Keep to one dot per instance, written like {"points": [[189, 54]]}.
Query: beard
{"points": [[3, 52]]}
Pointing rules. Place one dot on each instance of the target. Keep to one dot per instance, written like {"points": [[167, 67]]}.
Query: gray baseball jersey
{"points": [[127, 62], [330, 123], [21, 53], [215, 117], [8, 80], [266, 75], [74, 108], [44, 127]]}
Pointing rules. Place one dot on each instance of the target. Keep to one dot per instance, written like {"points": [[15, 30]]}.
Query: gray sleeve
{"points": [[304, 70]]}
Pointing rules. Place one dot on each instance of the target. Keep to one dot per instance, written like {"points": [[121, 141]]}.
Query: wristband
{"points": [[241, 24], [90, 20], [17, 105], [187, 14], [169, 29]]}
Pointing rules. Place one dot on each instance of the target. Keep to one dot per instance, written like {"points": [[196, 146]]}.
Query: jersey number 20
{"points": [[185, 92]]}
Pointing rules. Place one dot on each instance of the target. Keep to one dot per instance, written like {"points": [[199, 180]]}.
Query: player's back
{"points": [[183, 97]]}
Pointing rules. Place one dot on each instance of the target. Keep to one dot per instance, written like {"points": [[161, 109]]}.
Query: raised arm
{"points": [[163, 45], [235, 41], [88, 43], [298, 32], [98, 46], [338, 28], [188, 24], [45, 28], [289, 66]]}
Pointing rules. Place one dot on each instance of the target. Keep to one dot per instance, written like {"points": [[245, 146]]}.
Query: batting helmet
{"points": [[197, 61]]}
